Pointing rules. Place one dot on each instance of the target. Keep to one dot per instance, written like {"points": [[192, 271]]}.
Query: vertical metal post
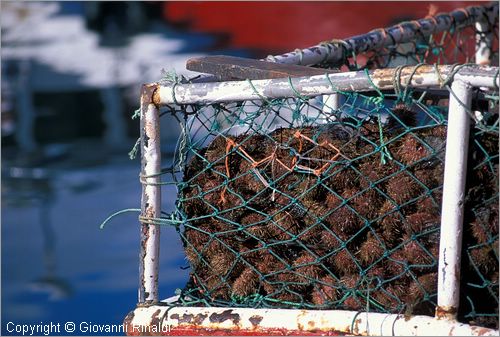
{"points": [[484, 38], [457, 140], [330, 104], [151, 197]]}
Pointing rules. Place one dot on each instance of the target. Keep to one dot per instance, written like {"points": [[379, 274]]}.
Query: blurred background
{"points": [[70, 82]]}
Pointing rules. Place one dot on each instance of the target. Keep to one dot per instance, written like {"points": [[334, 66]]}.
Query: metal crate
{"points": [[464, 98]]}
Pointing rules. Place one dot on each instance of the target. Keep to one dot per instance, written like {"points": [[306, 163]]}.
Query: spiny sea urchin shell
{"points": [[402, 188], [307, 268], [422, 221], [416, 253], [246, 283], [411, 150], [325, 291], [344, 261], [371, 250], [292, 240]]}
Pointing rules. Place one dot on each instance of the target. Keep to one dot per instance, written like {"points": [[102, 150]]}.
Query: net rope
{"points": [[292, 203]]}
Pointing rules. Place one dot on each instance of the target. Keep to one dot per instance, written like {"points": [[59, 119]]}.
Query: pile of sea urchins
{"points": [[337, 216]]}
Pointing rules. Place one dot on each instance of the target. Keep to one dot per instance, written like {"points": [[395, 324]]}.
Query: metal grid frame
{"points": [[151, 312]]}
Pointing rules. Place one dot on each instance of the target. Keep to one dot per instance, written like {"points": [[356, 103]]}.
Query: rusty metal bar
{"points": [[383, 79], [455, 170], [167, 320], [335, 51], [151, 197]]}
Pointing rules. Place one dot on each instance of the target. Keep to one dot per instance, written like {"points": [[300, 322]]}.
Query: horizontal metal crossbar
{"points": [[167, 320], [381, 79]]}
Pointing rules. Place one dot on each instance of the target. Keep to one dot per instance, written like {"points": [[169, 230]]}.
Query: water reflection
{"points": [[56, 263], [39, 183]]}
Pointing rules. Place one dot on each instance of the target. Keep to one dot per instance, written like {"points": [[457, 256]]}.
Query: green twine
{"points": [[295, 90], [127, 210], [408, 83], [172, 221], [136, 114], [275, 107], [376, 100], [384, 151], [263, 98], [161, 221], [133, 153]]}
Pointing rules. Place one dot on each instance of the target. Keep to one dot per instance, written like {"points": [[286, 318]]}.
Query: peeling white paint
{"points": [[296, 321], [426, 76], [455, 170], [151, 203]]}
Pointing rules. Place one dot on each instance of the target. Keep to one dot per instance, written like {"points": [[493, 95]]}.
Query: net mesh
{"points": [[297, 203], [456, 45]]}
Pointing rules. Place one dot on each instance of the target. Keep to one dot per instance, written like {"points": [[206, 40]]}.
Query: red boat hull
{"points": [[278, 27]]}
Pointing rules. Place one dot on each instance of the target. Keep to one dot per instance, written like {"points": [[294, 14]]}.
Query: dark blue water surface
{"points": [[57, 265]]}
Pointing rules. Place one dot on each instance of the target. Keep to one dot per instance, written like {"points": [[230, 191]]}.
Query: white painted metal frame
{"points": [[462, 79], [151, 198], [421, 77], [245, 321], [154, 95], [452, 210]]}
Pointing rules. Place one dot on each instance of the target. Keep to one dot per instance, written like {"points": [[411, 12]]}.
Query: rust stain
{"points": [[156, 99], [355, 330], [255, 320], [149, 212], [189, 318], [155, 320], [186, 318], [148, 91], [480, 331], [445, 312], [224, 316], [145, 230], [384, 77], [195, 331], [198, 319], [311, 325], [127, 322], [299, 318], [150, 130], [383, 82], [128, 319]]}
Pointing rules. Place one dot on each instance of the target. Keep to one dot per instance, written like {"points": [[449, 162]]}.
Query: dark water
{"points": [[57, 265]]}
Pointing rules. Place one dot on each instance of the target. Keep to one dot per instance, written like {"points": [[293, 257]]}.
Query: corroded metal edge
{"points": [[166, 320], [423, 76], [151, 195]]}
